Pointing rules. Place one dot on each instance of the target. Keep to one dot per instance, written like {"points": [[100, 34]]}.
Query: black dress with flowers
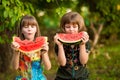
{"points": [[73, 70]]}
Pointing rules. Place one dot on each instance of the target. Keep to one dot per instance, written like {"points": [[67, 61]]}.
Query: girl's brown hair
{"points": [[72, 17], [25, 21]]}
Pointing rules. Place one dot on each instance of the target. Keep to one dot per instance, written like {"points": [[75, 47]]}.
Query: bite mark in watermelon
{"points": [[70, 38], [27, 46]]}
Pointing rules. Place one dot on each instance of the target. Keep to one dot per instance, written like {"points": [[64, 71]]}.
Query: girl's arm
{"points": [[45, 57], [16, 54], [15, 60], [61, 53], [83, 53], [46, 61]]}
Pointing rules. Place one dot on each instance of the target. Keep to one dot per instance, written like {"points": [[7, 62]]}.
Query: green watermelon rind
{"points": [[30, 51], [71, 43], [68, 41]]}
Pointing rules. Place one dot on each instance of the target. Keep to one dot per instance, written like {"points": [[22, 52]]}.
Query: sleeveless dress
{"points": [[30, 67], [73, 70]]}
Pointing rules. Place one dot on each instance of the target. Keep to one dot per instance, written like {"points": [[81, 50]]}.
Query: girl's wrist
{"points": [[44, 51], [82, 43], [17, 52], [60, 44]]}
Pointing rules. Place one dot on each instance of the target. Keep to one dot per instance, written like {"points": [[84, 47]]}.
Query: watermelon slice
{"points": [[70, 38], [27, 46]]}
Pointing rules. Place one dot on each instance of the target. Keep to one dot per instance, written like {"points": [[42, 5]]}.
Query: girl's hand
{"points": [[45, 47], [15, 46], [85, 38], [56, 40]]}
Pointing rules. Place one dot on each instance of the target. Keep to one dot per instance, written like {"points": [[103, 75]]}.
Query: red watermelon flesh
{"points": [[27, 46], [70, 38]]}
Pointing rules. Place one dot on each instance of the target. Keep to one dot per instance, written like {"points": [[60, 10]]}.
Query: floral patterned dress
{"points": [[30, 67], [73, 70]]}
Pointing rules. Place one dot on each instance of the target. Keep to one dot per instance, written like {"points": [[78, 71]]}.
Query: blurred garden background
{"points": [[102, 20]]}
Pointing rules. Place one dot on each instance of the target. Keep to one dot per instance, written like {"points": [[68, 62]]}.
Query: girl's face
{"points": [[71, 28], [29, 32]]}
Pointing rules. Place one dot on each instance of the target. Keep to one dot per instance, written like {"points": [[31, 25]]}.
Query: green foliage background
{"points": [[103, 63]]}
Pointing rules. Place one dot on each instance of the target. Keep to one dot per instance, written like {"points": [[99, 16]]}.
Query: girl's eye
{"points": [[25, 26], [74, 26], [33, 26], [67, 26]]}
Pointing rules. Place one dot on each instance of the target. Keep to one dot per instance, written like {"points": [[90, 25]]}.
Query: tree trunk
{"points": [[96, 33], [5, 57]]}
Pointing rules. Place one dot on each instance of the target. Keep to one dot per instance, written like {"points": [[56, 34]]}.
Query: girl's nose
{"points": [[71, 27], [29, 27]]}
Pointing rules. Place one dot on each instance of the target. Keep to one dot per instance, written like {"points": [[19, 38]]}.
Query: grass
{"points": [[105, 65]]}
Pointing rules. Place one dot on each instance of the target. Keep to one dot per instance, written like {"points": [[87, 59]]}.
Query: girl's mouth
{"points": [[29, 33]]}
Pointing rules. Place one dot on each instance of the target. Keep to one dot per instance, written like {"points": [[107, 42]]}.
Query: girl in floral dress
{"points": [[29, 66], [72, 58]]}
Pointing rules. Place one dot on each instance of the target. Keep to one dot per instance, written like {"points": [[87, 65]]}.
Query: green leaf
{"points": [[11, 13], [48, 1], [5, 14], [2, 28], [13, 20], [1, 40]]}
